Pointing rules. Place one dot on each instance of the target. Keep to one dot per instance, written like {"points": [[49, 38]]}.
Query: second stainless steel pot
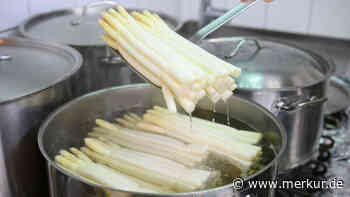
{"points": [[78, 28], [289, 81]]}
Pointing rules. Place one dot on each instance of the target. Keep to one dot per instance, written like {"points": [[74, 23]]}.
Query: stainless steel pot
{"points": [[78, 28], [34, 80], [70, 124], [289, 81]]}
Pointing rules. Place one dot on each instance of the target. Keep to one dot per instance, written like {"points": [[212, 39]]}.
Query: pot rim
{"points": [[326, 60], [75, 67], [43, 127], [22, 28]]}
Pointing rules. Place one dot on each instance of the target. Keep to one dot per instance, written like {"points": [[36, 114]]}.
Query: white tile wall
{"points": [[12, 13], [331, 18], [189, 9], [169, 7], [254, 17], [39, 6], [221, 4], [289, 15], [317, 17], [124, 3]]}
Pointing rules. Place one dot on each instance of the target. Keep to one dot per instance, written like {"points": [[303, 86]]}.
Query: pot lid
{"points": [[76, 27], [270, 65], [29, 66]]}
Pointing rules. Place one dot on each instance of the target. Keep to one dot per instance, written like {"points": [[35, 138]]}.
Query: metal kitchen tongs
{"points": [[222, 20], [211, 27]]}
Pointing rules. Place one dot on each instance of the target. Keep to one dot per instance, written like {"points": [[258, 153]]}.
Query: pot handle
{"points": [[293, 104], [241, 42], [5, 58], [79, 20]]}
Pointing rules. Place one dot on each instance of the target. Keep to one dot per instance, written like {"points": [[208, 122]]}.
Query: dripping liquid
{"points": [[227, 170], [214, 111], [190, 115], [227, 114]]}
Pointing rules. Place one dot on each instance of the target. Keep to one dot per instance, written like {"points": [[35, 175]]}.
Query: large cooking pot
{"points": [[289, 81], [70, 124], [35, 78], [78, 28]]}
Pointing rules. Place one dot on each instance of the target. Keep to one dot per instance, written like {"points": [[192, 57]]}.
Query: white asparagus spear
{"points": [[181, 93], [100, 174], [207, 66], [149, 168], [200, 136], [187, 154], [156, 55], [169, 99], [235, 71], [150, 76], [244, 136], [182, 156], [156, 44]]}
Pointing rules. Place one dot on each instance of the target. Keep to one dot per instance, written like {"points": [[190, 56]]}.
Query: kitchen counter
{"points": [[337, 49]]}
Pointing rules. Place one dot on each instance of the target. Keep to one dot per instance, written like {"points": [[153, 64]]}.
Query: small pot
{"points": [[70, 124], [35, 78], [78, 28], [288, 81]]}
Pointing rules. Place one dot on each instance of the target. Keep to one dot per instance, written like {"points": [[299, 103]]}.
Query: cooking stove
{"points": [[333, 160]]}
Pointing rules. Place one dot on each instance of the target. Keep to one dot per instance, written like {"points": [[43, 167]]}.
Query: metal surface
{"points": [[338, 95], [295, 103], [276, 71], [30, 67], [270, 65], [57, 25], [241, 42], [117, 54], [101, 68], [336, 49], [96, 73], [222, 20], [80, 18], [338, 92], [71, 123], [22, 167], [5, 58], [214, 25], [4, 181]]}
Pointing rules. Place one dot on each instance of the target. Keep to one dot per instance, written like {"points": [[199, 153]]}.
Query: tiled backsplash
{"points": [[316, 17]]}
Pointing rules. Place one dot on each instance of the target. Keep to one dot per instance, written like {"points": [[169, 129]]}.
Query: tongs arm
{"points": [[217, 23]]}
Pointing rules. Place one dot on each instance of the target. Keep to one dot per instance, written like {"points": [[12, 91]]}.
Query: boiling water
{"points": [[227, 170]]}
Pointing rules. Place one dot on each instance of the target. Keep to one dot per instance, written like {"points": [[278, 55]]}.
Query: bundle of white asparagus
{"points": [[182, 69], [121, 168], [161, 152], [79, 164], [236, 146]]}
